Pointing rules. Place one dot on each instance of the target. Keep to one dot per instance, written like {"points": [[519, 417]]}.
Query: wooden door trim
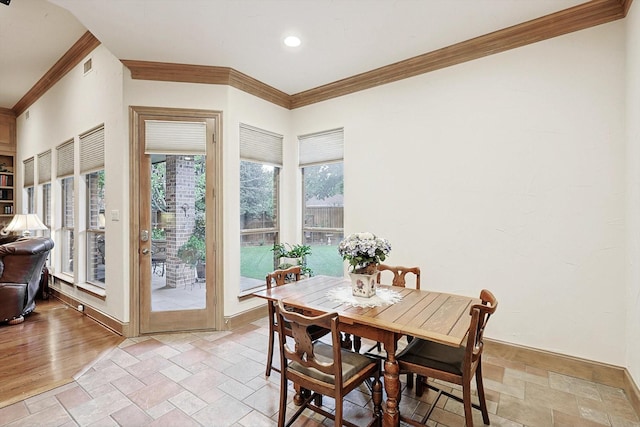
{"points": [[136, 115]]}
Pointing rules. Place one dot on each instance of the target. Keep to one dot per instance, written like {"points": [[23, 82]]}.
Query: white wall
{"points": [[505, 173], [74, 105], [633, 191]]}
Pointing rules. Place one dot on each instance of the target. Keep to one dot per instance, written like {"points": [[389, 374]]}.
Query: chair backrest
{"points": [[303, 351], [480, 314], [280, 277], [399, 274]]}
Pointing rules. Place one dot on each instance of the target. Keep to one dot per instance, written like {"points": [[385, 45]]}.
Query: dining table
{"points": [[436, 316]]}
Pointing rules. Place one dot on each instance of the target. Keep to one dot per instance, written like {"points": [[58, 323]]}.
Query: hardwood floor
{"points": [[52, 347]]}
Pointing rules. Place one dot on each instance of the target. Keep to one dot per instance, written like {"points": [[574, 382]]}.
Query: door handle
{"points": [[145, 251]]}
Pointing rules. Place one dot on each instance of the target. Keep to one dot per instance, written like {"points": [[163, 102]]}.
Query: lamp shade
{"points": [[25, 223]]}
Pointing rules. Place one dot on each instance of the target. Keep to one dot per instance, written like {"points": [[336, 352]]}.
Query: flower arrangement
{"points": [[363, 251]]}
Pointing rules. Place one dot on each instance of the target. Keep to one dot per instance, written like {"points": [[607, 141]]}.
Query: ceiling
{"points": [[340, 38]]}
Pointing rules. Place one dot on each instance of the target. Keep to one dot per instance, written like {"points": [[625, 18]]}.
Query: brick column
{"points": [[180, 198]]}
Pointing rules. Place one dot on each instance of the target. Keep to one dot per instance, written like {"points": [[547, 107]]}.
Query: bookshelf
{"points": [[7, 166], [7, 190]]}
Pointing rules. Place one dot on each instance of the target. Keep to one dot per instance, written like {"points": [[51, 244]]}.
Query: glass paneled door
{"points": [[177, 222]]}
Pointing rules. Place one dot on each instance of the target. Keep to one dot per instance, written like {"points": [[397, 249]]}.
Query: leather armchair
{"points": [[21, 264]]}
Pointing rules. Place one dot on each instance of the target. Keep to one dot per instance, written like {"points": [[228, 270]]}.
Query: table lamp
{"points": [[25, 223]]}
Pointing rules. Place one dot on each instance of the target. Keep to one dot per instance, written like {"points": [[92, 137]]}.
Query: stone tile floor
{"points": [[217, 379]]}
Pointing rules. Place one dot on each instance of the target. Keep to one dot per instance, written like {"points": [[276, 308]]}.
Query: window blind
{"points": [[28, 172], [44, 167], [92, 150], [261, 146], [65, 159], [173, 137], [321, 147]]}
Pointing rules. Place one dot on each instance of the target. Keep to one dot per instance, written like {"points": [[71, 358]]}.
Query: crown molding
{"points": [[187, 73], [576, 18], [84, 46], [7, 112], [566, 21]]}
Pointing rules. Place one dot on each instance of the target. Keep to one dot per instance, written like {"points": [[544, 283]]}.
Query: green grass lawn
{"points": [[257, 261]]}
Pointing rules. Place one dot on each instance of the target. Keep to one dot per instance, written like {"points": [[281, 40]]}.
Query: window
{"points": [[44, 180], [28, 185], [321, 163], [260, 163], [67, 225], [92, 167], [95, 229], [31, 206], [65, 175], [46, 208]]}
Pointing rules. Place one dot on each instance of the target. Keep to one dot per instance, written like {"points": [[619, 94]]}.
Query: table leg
{"points": [[301, 395], [391, 417]]}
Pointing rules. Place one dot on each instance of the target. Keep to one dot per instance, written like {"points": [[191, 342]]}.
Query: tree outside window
{"points": [[258, 221], [323, 217]]}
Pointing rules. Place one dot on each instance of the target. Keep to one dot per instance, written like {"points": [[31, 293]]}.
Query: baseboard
{"points": [[105, 320], [602, 373], [631, 388], [240, 319]]}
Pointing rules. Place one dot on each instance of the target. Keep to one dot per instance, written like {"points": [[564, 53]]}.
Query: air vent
{"points": [[87, 66]]}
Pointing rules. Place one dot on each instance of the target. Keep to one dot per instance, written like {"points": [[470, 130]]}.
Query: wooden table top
{"points": [[424, 314]]}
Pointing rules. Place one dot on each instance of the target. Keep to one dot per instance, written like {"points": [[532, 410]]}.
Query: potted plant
{"points": [[290, 255], [193, 252]]}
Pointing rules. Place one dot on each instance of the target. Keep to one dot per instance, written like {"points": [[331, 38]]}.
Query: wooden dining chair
{"points": [[400, 274], [400, 280], [322, 369], [279, 278], [429, 359]]}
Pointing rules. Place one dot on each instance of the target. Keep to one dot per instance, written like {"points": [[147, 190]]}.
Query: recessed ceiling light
{"points": [[292, 41]]}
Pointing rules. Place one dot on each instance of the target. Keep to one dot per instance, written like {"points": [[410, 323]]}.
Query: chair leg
{"points": [[338, 412], [270, 352], [357, 344], [283, 402], [466, 402], [419, 385], [409, 380], [346, 342], [481, 397]]}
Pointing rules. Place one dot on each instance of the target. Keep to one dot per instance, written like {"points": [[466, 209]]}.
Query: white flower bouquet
{"points": [[363, 250]]}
